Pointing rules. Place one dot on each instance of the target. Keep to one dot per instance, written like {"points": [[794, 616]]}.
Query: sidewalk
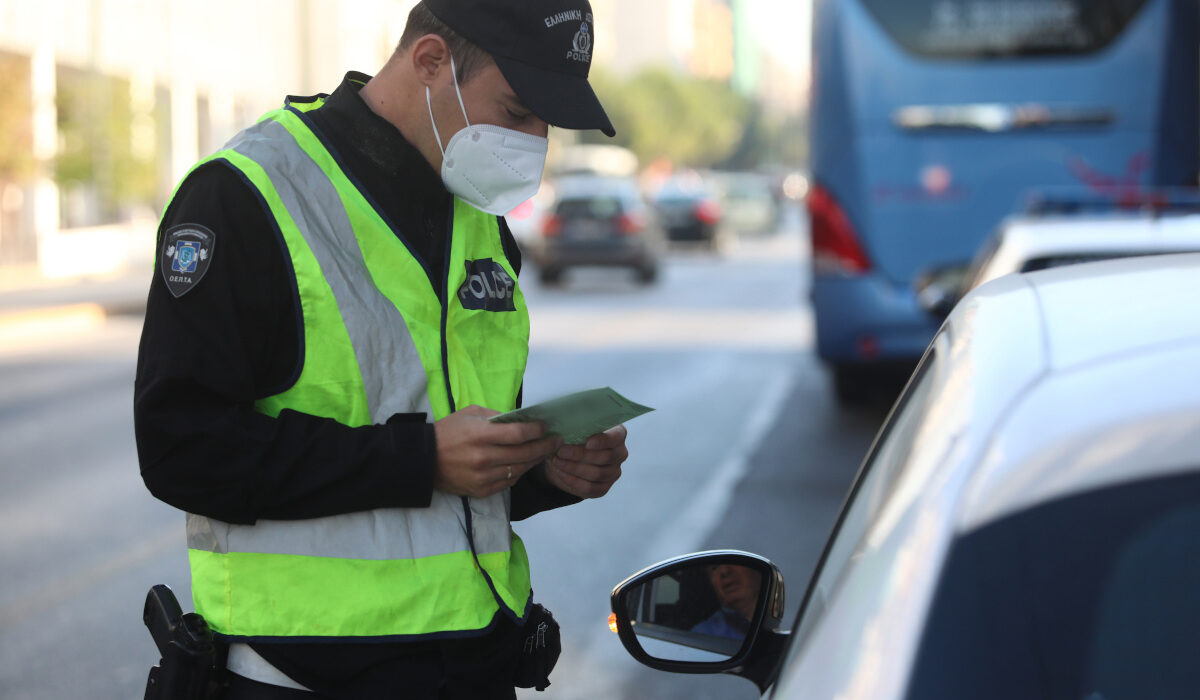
{"points": [[31, 304]]}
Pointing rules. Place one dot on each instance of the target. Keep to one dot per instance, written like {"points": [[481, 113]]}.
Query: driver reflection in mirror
{"points": [[737, 589]]}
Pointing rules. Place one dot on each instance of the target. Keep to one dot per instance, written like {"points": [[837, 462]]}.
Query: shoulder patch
{"points": [[187, 251]]}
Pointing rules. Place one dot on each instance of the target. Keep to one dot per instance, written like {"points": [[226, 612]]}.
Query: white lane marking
{"points": [[688, 530], [604, 660], [740, 329]]}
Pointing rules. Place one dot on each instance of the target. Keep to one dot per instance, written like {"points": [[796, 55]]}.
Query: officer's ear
{"points": [[430, 56]]}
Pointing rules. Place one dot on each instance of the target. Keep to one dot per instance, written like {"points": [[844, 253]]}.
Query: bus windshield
{"points": [[982, 29]]}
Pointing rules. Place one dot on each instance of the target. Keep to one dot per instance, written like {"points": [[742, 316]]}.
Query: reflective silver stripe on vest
{"points": [[387, 356], [384, 533], [377, 330]]}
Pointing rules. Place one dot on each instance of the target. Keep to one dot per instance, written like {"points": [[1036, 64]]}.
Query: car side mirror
{"points": [[709, 612], [939, 289]]}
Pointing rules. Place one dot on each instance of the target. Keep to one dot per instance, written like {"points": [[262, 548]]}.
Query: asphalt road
{"points": [[745, 449]]}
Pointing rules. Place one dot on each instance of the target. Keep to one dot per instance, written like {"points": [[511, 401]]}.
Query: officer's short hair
{"points": [[468, 57]]}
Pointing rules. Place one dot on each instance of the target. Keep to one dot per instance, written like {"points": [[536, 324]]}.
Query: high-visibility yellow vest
{"points": [[379, 339]]}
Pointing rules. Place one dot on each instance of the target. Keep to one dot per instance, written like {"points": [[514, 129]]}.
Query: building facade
{"points": [[173, 80], [108, 102]]}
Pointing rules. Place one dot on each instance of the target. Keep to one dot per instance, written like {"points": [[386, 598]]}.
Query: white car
{"points": [[1026, 524], [1031, 242]]}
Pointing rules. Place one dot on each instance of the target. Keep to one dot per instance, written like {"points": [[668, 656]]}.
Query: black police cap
{"points": [[542, 47]]}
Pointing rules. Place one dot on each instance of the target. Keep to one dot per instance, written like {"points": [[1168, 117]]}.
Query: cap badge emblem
{"points": [[581, 45]]}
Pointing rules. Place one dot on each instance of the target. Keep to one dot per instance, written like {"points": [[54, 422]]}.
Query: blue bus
{"points": [[933, 119]]}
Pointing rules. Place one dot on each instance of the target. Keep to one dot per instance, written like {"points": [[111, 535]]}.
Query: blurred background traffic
{"points": [[797, 194]]}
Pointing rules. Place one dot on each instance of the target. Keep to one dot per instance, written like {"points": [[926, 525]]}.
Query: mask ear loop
{"points": [[436, 135], [454, 74], [429, 106]]}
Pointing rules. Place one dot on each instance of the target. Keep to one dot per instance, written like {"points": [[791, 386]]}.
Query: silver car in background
{"points": [[1059, 231], [1026, 524]]}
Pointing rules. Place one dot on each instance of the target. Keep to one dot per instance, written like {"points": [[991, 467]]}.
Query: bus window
{"points": [[1002, 28]]}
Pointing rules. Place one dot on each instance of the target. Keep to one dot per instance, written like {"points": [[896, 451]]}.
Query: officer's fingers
{"points": [[526, 453], [581, 456], [508, 474], [604, 456], [604, 448], [460, 479], [497, 478], [593, 473], [570, 479], [480, 464], [611, 438], [461, 434], [513, 433]]}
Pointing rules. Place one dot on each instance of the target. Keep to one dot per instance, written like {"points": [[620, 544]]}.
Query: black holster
{"points": [[192, 666]]}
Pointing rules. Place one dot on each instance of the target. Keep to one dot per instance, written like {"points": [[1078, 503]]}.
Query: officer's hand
{"points": [[589, 470], [476, 458]]}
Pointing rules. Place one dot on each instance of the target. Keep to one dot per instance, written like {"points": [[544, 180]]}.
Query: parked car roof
{"points": [[1047, 384], [1026, 243], [1122, 333]]}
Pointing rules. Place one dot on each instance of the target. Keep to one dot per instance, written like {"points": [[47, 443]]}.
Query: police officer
{"points": [[333, 318]]}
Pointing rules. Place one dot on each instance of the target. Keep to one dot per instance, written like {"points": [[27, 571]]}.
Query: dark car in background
{"points": [[599, 221], [689, 211]]}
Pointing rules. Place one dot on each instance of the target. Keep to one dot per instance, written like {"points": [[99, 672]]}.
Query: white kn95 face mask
{"points": [[491, 168]]}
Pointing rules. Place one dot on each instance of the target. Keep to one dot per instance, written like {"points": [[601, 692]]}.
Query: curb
{"points": [[22, 325]]}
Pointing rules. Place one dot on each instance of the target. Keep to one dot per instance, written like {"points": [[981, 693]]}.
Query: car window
{"points": [[981, 263], [984, 29], [600, 207], [1049, 261], [685, 190], [874, 481], [1093, 596]]}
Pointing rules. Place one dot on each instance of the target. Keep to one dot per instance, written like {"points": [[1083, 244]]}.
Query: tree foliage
{"points": [[96, 149], [659, 114], [694, 123]]}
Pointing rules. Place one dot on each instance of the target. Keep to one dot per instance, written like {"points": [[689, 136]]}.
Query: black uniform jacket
{"points": [[235, 336]]}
